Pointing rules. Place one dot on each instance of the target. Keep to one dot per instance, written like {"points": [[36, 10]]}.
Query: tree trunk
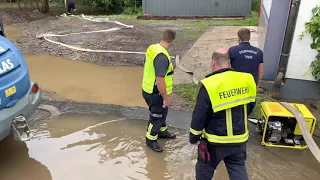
{"points": [[19, 4], [24, 4], [38, 6], [31, 4], [45, 7]]}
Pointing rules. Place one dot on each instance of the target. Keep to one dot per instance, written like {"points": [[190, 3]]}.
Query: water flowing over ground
{"points": [[110, 147]]}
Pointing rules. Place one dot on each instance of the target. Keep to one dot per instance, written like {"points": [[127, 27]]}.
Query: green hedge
{"points": [[255, 6]]}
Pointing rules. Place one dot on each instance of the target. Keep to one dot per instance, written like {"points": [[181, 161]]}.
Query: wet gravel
{"points": [[136, 39], [176, 118], [122, 40], [12, 16]]}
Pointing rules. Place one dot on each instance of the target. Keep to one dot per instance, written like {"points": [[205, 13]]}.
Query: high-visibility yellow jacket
{"points": [[149, 77], [221, 112]]}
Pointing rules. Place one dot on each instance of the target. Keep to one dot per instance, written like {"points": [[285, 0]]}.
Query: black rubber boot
{"points": [[155, 146], [166, 135]]}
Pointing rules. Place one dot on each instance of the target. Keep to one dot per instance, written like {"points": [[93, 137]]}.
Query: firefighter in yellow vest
{"points": [[156, 86], [220, 119]]}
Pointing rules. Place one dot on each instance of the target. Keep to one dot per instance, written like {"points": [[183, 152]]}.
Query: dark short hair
{"points": [[220, 58], [244, 34], [168, 35]]}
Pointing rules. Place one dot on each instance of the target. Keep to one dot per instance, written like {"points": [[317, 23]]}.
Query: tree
{"points": [[41, 5], [45, 6]]}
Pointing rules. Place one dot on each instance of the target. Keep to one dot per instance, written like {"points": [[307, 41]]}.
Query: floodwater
{"points": [[82, 147], [108, 147], [93, 147], [13, 32], [86, 82]]}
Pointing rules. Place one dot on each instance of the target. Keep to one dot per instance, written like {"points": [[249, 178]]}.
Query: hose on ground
{"points": [[103, 20]]}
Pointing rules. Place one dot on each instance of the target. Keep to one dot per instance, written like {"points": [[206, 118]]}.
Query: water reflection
{"points": [[15, 162], [109, 147], [84, 80]]}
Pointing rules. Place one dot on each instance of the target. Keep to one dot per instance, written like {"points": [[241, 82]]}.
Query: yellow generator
{"points": [[279, 127]]}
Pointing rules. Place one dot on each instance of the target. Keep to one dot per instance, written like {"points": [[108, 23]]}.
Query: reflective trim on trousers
{"points": [[251, 98], [162, 129], [148, 134], [195, 132], [156, 115]]}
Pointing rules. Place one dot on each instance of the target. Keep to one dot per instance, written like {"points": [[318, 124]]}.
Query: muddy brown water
{"points": [[91, 147], [109, 147], [86, 82], [13, 32]]}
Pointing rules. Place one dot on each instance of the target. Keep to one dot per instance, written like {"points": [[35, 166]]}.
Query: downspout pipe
{"points": [[284, 57]]}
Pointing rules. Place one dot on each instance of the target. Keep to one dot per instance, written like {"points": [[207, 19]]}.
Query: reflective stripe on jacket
{"points": [[149, 77], [230, 89]]}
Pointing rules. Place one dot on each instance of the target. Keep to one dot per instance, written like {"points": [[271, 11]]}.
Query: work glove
{"points": [[203, 151]]}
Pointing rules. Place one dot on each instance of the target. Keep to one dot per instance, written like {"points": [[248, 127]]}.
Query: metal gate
{"points": [[225, 8]]}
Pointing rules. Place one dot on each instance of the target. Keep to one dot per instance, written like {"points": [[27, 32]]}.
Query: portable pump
{"points": [[279, 128]]}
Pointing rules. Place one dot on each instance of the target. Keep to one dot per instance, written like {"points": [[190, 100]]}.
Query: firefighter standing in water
{"points": [[219, 121], [156, 86]]}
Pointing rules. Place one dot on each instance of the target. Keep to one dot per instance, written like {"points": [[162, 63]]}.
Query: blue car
{"points": [[19, 97]]}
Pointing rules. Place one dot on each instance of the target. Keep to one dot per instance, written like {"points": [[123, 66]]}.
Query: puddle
{"points": [[107, 147], [15, 162], [92, 147], [81, 81], [13, 32]]}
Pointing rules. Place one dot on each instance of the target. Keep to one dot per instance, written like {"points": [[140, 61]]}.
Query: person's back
{"points": [[157, 84], [247, 58], [238, 111], [220, 119]]}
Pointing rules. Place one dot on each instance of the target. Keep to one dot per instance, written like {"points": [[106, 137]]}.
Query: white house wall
{"points": [[301, 55], [267, 6]]}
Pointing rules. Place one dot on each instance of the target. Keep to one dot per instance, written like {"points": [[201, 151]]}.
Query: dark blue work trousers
{"points": [[158, 115], [234, 158], [71, 6]]}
